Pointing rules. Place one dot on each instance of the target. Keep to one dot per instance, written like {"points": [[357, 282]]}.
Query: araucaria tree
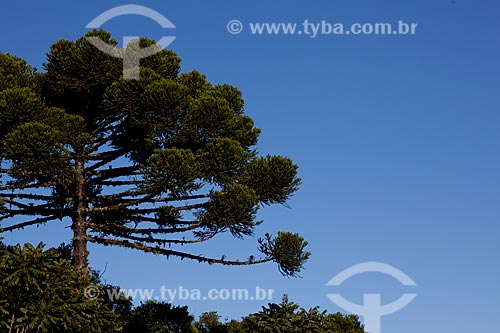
{"points": [[151, 164]]}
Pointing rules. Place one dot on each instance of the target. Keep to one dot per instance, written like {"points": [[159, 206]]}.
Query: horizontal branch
{"points": [[140, 219], [180, 198], [120, 198], [18, 204], [117, 172], [119, 195], [115, 182], [103, 158], [26, 196], [13, 186], [144, 231], [165, 241], [167, 252], [36, 210], [39, 220], [140, 210]]}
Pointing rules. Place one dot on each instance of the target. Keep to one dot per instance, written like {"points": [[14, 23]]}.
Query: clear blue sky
{"points": [[397, 139]]}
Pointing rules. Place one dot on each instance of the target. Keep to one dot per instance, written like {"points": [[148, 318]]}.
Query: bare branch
{"points": [[25, 186], [140, 210], [104, 158], [167, 252], [36, 210], [165, 241], [117, 172], [120, 198], [181, 198], [25, 196], [115, 182], [39, 220], [146, 231], [18, 204]]}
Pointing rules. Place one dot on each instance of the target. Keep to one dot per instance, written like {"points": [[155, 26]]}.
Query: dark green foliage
{"points": [[156, 317], [233, 209], [149, 164], [290, 318], [78, 75], [14, 72], [288, 249], [286, 317], [209, 322], [171, 171], [165, 62], [42, 292], [273, 178], [223, 161]]}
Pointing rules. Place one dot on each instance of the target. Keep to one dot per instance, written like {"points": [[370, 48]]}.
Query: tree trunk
{"points": [[80, 252]]}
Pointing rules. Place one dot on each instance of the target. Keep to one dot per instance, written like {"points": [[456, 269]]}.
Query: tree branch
{"points": [[117, 172], [35, 210], [145, 231], [104, 158], [115, 182], [18, 204], [105, 123], [165, 241], [141, 210], [119, 198], [26, 196], [25, 186], [166, 252], [39, 220]]}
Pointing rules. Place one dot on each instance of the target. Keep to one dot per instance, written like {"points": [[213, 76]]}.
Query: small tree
{"points": [[158, 317], [209, 322], [286, 317], [41, 292], [166, 160], [291, 318]]}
